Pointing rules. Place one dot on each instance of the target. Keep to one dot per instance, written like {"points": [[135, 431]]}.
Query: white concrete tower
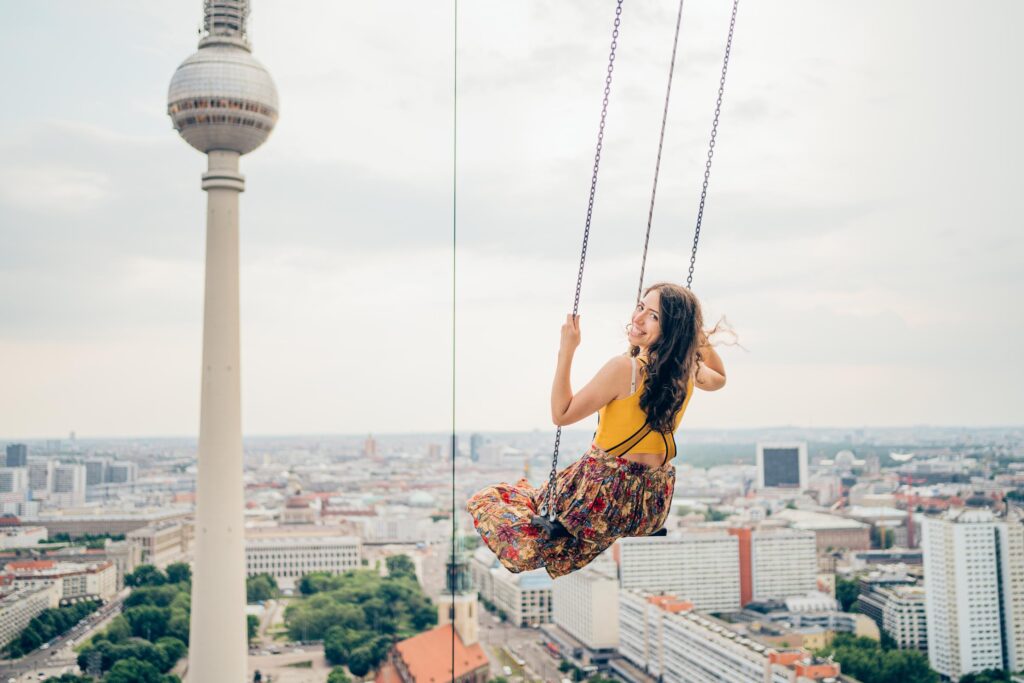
{"points": [[223, 102]]}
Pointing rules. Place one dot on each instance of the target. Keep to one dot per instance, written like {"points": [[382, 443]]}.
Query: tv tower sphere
{"points": [[222, 98]]}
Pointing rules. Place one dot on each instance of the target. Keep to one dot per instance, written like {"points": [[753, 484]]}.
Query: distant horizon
{"points": [[442, 434]]}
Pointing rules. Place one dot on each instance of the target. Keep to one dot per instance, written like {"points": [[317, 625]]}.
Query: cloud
{"points": [[860, 231]]}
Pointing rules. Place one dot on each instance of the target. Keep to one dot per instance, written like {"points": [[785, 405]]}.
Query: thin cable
{"points": [[661, 142], [455, 129]]}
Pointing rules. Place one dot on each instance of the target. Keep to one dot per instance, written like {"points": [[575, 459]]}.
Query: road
{"points": [[524, 643], [60, 656]]}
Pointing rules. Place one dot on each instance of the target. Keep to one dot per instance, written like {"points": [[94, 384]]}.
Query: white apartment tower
{"points": [[586, 606], [700, 565], [974, 591], [783, 563], [68, 485]]}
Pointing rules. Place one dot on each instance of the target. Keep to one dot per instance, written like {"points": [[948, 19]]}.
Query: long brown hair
{"points": [[672, 359]]}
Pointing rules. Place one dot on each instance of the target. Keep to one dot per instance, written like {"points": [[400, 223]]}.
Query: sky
{"points": [[862, 230]]}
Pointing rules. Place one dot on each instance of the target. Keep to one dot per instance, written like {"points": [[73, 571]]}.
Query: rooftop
{"points": [[428, 656], [809, 520]]}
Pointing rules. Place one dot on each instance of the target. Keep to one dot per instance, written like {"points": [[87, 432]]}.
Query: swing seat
{"points": [[551, 528]]}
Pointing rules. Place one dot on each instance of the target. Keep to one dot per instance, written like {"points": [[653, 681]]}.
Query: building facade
{"points": [[290, 554], [672, 643], [783, 563], [586, 606], [73, 580], [900, 612], [782, 465], [19, 606], [17, 455], [163, 543], [974, 572], [698, 565]]}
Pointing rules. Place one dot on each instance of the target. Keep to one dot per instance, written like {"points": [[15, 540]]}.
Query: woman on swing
{"points": [[623, 486]]}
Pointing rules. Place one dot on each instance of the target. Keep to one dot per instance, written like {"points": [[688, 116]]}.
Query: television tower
{"points": [[224, 103]]}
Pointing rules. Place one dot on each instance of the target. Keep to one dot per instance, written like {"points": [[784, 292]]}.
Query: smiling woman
{"points": [[623, 485]]}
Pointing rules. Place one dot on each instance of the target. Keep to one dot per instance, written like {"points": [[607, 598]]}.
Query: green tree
{"points": [[119, 630], [70, 678], [172, 650], [400, 565], [865, 660], [147, 621], [360, 661], [136, 671], [145, 575], [338, 675], [252, 623], [179, 572], [260, 588], [847, 592]]}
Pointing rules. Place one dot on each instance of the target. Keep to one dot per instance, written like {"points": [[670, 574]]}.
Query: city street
{"points": [[498, 638], [60, 657]]}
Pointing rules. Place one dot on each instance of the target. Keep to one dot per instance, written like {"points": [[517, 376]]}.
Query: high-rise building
{"points": [[783, 563], [974, 590], [13, 480], [122, 472], [899, 610], [701, 566], [476, 441], [775, 563], [68, 485], [782, 465], [96, 471], [40, 475], [586, 606], [224, 103], [17, 455]]}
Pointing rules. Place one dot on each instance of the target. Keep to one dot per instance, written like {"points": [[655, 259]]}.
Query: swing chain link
{"points": [[711, 144], [547, 508], [661, 143]]}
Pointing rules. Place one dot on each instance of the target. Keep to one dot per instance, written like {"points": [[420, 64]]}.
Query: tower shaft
{"points": [[217, 637]]}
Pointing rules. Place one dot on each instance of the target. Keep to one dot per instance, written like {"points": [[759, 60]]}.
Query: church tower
{"points": [[458, 602]]}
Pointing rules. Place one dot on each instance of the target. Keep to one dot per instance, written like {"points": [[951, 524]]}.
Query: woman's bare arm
{"points": [[566, 407], [710, 369]]}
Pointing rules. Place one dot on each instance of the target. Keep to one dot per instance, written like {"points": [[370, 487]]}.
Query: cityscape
{"points": [[808, 555], [315, 546]]}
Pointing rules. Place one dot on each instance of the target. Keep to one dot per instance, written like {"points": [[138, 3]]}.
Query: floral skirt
{"points": [[599, 498]]}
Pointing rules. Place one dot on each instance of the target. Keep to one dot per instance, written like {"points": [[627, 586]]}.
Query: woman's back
{"points": [[622, 424]]}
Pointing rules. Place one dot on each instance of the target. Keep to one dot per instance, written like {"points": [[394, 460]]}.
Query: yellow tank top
{"points": [[622, 424]]}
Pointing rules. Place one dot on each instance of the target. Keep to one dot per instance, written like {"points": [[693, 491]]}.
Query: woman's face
{"points": [[645, 327]]}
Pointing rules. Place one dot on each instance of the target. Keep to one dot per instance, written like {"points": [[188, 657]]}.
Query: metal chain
{"points": [[711, 144], [547, 509], [657, 163]]}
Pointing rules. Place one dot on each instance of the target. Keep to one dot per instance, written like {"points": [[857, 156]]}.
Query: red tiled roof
{"points": [[387, 674], [29, 565], [428, 656]]}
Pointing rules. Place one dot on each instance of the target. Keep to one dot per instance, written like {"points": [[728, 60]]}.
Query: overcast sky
{"points": [[862, 234]]}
